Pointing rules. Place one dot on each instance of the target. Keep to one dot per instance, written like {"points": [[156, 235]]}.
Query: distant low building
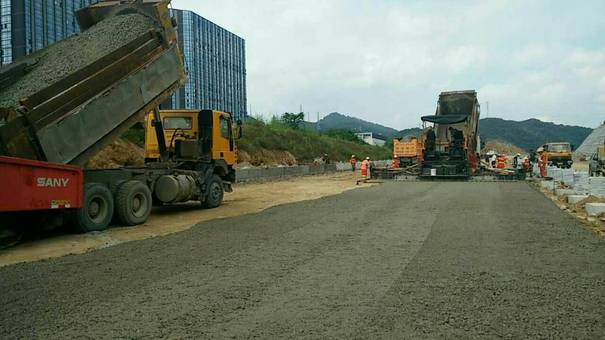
{"points": [[372, 138]]}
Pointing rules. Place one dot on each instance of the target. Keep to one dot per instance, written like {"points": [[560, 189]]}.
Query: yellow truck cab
{"points": [[559, 154], [193, 135], [407, 152]]}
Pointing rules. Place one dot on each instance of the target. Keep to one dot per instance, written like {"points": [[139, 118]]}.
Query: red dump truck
{"points": [[56, 114]]}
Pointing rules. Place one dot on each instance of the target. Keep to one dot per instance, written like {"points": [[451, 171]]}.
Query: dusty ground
{"points": [[399, 260], [245, 199]]}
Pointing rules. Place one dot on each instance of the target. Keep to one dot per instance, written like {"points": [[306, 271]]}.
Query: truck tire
{"points": [[97, 209], [133, 203], [9, 236], [214, 193]]}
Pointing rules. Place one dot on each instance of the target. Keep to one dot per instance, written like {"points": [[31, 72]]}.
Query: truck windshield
{"points": [[177, 123], [559, 148]]}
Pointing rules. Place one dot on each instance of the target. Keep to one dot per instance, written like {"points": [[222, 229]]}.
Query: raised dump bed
{"points": [[66, 102]]}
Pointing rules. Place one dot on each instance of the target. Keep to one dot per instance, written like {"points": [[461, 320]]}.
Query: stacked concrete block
{"points": [[575, 199], [597, 186], [581, 182], [564, 192], [567, 177], [554, 173], [536, 170], [250, 174], [595, 209]]}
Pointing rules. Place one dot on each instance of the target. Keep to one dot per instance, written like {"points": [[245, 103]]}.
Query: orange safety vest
{"points": [[543, 161], [395, 164], [353, 161], [364, 167]]}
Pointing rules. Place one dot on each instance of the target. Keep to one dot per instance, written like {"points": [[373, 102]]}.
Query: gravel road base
{"points": [[57, 61], [401, 260]]}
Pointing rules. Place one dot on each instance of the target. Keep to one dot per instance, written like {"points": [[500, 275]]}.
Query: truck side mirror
{"points": [[573, 147]]}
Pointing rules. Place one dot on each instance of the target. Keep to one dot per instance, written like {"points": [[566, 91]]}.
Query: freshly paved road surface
{"points": [[401, 260]]}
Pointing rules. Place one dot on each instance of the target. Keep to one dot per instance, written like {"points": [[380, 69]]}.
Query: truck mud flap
{"points": [[227, 187]]}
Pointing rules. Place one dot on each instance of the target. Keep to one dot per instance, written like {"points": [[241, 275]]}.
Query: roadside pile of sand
{"points": [[503, 148], [117, 154]]}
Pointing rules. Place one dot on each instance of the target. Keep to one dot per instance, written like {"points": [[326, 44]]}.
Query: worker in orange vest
{"points": [[365, 168], [353, 163], [542, 163], [501, 162], [395, 163]]}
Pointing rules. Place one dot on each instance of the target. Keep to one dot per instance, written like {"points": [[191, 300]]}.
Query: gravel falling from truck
{"points": [[67, 56]]}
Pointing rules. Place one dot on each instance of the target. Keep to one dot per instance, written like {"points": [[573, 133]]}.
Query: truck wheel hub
{"points": [[215, 191], [93, 208], [136, 204]]}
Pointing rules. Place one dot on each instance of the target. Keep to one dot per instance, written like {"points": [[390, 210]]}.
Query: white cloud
{"points": [[386, 61]]}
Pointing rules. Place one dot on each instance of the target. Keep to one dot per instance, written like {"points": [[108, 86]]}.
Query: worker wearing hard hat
{"points": [[542, 161], [365, 168], [526, 165], [353, 162], [395, 163]]}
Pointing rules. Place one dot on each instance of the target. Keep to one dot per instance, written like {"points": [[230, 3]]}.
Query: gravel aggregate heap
{"points": [[67, 56]]}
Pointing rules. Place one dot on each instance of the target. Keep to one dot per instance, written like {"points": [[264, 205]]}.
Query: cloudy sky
{"points": [[387, 60]]}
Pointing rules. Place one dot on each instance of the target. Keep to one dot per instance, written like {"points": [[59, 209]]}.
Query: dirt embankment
{"points": [[503, 148], [125, 153], [117, 154], [264, 157]]}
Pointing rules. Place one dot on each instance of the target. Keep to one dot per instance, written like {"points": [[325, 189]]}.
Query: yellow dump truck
{"points": [[49, 129], [408, 152], [559, 154]]}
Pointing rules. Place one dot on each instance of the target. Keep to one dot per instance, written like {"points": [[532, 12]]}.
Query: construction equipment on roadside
{"points": [[558, 154], [407, 152], [596, 164], [51, 133], [451, 145], [394, 173]]}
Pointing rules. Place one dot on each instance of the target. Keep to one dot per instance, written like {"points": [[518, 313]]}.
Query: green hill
{"points": [[527, 134], [531, 133], [305, 145], [339, 121]]}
